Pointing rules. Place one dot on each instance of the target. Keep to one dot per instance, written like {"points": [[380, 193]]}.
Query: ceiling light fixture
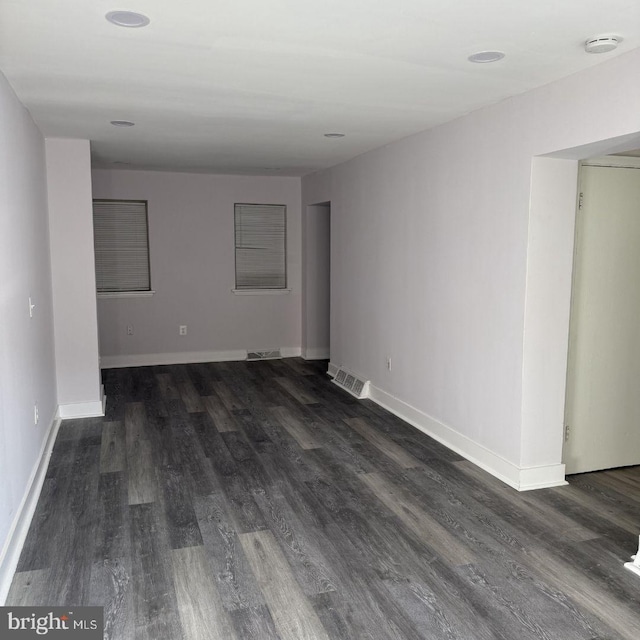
{"points": [[127, 19], [122, 123], [483, 57], [602, 44], [334, 135]]}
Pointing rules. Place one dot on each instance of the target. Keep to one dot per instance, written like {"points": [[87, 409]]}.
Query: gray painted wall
{"points": [[438, 262], [27, 368], [191, 240]]}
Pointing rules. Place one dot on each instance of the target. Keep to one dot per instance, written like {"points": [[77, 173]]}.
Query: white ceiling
{"points": [[251, 86]]}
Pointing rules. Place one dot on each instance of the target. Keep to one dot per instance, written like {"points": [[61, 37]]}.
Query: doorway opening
{"points": [[602, 405], [550, 248]]}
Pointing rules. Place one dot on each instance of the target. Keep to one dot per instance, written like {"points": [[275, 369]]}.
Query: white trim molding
{"points": [[125, 294], [290, 352], [634, 566], [522, 479], [623, 162], [22, 520], [315, 353], [542, 477], [82, 409], [260, 292], [186, 357]]}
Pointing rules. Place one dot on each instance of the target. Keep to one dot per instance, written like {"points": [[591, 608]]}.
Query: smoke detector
{"points": [[602, 44]]}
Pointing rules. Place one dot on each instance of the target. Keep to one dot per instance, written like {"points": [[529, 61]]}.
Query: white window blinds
{"points": [[260, 231], [121, 245]]}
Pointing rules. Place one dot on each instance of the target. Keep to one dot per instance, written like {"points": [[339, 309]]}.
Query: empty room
{"points": [[319, 320]]}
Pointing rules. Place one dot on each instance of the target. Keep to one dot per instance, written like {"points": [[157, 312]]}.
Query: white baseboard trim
{"points": [[82, 409], [186, 357], [316, 354], [522, 479], [634, 566], [332, 370], [24, 514], [543, 477]]}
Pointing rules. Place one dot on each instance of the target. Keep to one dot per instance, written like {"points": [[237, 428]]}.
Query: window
{"points": [[121, 243], [261, 247]]}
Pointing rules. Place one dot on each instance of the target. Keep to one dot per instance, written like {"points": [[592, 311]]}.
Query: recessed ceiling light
{"points": [[482, 57], [601, 44], [127, 19], [334, 135], [122, 123]]}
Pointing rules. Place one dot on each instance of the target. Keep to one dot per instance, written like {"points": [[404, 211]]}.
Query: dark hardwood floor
{"points": [[257, 500]]}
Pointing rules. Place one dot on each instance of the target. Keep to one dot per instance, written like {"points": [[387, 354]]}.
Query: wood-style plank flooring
{"points": [[257, 500]]}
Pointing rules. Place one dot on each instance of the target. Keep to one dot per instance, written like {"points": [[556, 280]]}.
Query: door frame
{"points": [[614, 162], [550, 245]]}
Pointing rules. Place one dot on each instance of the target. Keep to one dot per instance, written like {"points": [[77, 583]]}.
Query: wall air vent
{"points": [[351, 383], [265, 354]]}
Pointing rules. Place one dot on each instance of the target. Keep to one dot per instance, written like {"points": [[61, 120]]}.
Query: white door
{"points": [[603, 385]]}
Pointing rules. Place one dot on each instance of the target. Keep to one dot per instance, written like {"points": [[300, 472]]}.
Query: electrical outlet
{"points": [[129, 329], [182, 330], [388, 363], [36, 417]]}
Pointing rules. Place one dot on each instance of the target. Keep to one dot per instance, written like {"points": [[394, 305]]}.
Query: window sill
{"points": [[260, 292], [126, 294]]}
